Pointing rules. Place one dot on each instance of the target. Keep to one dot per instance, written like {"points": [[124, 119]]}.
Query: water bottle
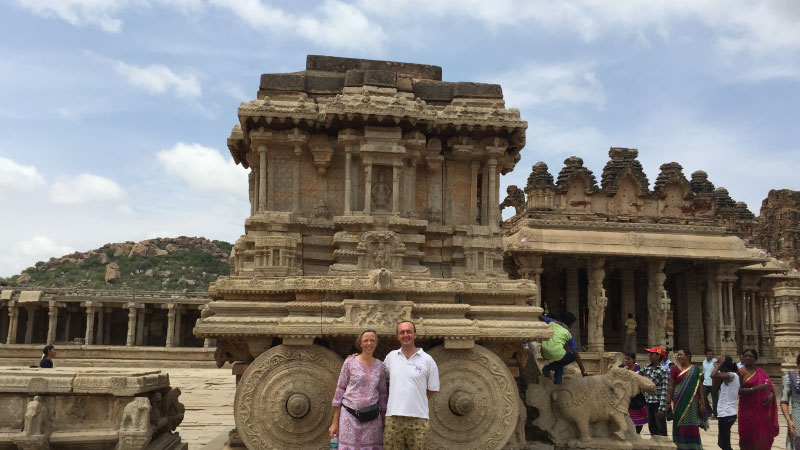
{"points": [[335, 442]]}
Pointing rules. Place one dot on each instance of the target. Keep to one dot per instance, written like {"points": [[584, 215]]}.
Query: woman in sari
{"points": [[684, 398], [637, 408], [791, 390], [758, 410]]}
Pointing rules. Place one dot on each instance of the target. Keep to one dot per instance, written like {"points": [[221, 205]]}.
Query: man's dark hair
{"points": [[727, 365], [708, 350], [405, 321], [567, 318], [630, 315], [631, 355]]}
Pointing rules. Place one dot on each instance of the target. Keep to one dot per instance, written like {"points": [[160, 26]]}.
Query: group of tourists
{"points": [[375, 417]]}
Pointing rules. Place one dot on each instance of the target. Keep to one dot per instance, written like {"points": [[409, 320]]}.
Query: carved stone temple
{"points": [[374, 192]]}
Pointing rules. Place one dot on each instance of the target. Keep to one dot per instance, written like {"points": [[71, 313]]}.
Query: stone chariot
{"points": [[374, 193]]}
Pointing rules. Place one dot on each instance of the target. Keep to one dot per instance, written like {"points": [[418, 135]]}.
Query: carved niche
{"points": [[380, 250], [276, 255]]}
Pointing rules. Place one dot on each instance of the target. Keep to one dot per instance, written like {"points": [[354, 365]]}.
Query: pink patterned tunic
{"points": [[359, 388]]}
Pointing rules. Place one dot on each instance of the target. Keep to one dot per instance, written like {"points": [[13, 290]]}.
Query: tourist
{"points": [[791, 389], [683, 399], [413, 380], [361, 391], [637, 408], [725, 372], [48, 353], [656, 402], [560, 349], [708, 385], [758, 410], [630, 335]]}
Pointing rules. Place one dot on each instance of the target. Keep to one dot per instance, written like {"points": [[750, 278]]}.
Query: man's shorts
{"points": [[402, 431]]}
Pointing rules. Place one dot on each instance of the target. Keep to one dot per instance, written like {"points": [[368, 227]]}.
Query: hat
{"points": [[658, 350]]}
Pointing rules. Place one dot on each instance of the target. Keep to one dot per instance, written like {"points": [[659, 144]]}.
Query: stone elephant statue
{"points": [[602, 398]]}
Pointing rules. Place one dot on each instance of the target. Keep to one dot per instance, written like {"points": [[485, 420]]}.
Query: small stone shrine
{"points": [[98, 409]]}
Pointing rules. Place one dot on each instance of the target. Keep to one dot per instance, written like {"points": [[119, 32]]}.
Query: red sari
{"points": [[758, 424]]}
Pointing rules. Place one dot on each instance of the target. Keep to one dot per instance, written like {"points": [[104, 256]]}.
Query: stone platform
{"points": [[76, 409], [73, 355]]}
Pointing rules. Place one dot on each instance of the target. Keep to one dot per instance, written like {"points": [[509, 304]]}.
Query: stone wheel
{"points": [[283, 400], [478, 405]]}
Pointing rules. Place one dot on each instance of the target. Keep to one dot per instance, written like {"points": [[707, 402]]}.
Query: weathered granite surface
{"points": [[88, 409]]}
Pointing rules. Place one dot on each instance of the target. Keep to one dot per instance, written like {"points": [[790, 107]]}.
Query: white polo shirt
{"points": [[409, 379]]}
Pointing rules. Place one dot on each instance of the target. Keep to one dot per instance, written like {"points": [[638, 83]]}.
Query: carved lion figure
{"points": [[600, 398]]}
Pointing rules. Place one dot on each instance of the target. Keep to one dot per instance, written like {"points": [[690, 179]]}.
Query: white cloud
{"points": [[79, 13], [334, 24], [40, 248], [159, 79], [203, 168], [85, 188], [551, 84], [17, 178]]}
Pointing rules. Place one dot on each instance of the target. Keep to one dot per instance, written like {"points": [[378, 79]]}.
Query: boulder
{"points": [[112, 273], [25, 277], [139, 249]]}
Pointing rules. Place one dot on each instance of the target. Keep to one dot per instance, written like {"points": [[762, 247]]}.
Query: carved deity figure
{"points": [[657, 304], [597, 304], [136, 415], [515, 198]]}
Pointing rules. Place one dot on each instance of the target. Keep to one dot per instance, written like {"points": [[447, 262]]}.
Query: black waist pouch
{"points": [[367, 414]]}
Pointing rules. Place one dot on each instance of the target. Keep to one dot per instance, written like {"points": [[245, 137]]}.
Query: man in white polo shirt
{"points": [[413, 379]]}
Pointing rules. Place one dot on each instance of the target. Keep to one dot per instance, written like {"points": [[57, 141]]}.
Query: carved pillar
{"points": [[435, 190], [657, 304], [493, 194], [485, 196], [141, 333], [68, 323], [251, 187], [597, 304], [348, 161], [170, 324], [131, 324], [473, 192], [29, 326], [101, 321], [89, 338], [448, 200], [52, 322], [298, 151], [628, 294], [573, 302], [178, 339], [411, 192], [107, 328], [262, 177], [367, 187], [396, 171], [206, 343], [13, 322]]}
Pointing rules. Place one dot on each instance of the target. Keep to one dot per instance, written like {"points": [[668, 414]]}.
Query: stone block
{"points": [[283, 82], [383, 78], [342, 65], [435, 91], [324, 82], [477, 90]]}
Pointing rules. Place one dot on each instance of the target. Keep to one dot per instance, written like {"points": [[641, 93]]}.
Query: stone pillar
{"points": [[107, 328], [89, 338], [473, 192], [141, 333], [597, 304], [367, 187], [170, 324], [178, 340], [13, 322], [628, 294], [348, 189], [396, 171], [131, 324], [52, 323], [494, 203], [411, 192], [29, 326], [485, 196], [262, 178], [101, 326], [251, 184], [67, 323], [206, 343], [435, 190], [448, 200], [573, 302], [298, 152], [657, 304]]}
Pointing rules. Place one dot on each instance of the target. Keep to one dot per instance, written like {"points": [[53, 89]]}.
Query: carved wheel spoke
{"points": [[283, 400], [478, 405]]}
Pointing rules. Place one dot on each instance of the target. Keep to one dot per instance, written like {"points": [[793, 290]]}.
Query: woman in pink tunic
{"points": [[362, 383]]}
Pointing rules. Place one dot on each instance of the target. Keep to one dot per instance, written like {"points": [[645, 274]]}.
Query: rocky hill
{"points": [[172, 264]]}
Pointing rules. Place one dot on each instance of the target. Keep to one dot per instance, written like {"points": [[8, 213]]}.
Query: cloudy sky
{"points": [[114, 113]]}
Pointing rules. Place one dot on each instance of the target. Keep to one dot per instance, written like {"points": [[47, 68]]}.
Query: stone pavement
{"points": [[208, 397]]}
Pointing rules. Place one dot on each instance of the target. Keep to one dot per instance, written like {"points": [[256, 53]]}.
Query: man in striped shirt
{"points": [[656, 403]]}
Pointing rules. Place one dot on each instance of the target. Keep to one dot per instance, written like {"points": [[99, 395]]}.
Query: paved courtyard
{"points": [[208, 397]]}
